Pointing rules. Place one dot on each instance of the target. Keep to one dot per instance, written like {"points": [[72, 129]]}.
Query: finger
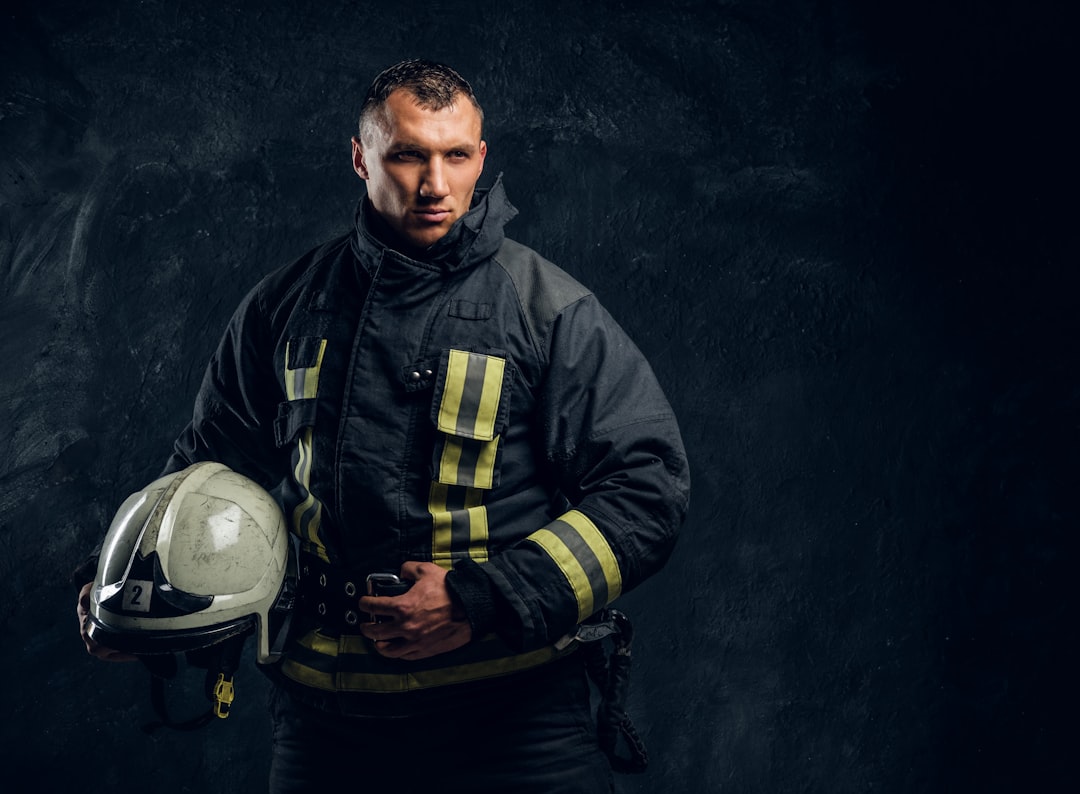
{"points": [[371, 630], [415, 651], [382, 606], [393, 649], [84, 596], [382, 632], [413, 570]]}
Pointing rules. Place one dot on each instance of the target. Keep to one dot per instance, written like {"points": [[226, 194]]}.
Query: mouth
{"points": [[432, 214]]}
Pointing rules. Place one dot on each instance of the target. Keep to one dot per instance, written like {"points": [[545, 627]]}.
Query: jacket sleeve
{"points": [[616, 455], [233, 417]]}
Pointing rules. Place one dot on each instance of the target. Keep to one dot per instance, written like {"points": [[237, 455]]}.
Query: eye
{"points": [[459, 155], [408, 156]]}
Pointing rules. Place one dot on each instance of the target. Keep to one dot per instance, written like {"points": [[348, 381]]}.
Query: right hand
{"points": [[93, 648]]}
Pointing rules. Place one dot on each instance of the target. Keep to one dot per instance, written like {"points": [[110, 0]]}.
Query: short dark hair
{"points": [[434, 85]]}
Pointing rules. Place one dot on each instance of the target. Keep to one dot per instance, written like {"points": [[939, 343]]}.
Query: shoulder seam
{"points": [[317, 256], [533, 313]]}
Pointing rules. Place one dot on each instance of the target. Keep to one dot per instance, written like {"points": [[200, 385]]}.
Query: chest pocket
{"points": [[469, 409]]}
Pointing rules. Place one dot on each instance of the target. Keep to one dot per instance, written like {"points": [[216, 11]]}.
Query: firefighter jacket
{"points": [[477, 409]]}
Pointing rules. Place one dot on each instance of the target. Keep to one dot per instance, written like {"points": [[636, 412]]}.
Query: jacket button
{"points": [[414, 375], [428, 373], [351, 618], [350, 589]]}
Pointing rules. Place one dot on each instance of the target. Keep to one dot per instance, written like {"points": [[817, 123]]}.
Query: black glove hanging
{"points": [[611, 675]]}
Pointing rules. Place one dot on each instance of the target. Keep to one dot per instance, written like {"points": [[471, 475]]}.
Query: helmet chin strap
{"points": [[221, 662]]}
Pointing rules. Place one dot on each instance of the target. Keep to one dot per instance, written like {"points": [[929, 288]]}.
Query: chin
{"points": [[428, 238]]}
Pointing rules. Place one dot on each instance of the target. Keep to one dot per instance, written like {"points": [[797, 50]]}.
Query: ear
{"points": [[358, 158], [483, 154]]}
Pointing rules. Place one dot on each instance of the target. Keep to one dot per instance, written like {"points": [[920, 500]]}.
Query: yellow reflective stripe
{"points": [[478, 531], [450, 460], [320, 643], [303, 383], [453, 387], [464, 461], [466, 524], [485, 464], [412, 680], [423, 679], [491, 392], [309, 530], [468, 414], [442, 527], [585, 558], [308, 676], [596, 541], [571, 568], [472, 390]]}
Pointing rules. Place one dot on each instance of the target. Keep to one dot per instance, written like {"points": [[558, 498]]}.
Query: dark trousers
{"points": [[532, 733]]}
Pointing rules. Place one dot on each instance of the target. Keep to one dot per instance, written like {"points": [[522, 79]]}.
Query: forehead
{"points": [[405, 121]]}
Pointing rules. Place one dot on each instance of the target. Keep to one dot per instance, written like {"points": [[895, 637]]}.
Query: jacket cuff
{"points": [[471, 588]]}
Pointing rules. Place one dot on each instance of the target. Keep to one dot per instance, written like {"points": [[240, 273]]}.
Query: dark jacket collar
{"points": [[473, 238]]}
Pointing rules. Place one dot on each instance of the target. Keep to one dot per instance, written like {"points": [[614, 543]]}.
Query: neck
{"points": [[385, 234]]}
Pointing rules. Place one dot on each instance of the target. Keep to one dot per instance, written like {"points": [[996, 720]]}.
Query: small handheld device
{"points": [[385, 584]]}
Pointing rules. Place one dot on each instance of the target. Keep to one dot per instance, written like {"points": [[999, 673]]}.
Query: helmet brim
{"points": [[148, 642]]}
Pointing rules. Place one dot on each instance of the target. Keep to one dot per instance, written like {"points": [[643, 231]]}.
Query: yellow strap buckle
{"points": [[223, 696]]}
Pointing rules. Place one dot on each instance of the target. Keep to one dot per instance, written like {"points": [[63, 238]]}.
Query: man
{"points": [[428, 398]]}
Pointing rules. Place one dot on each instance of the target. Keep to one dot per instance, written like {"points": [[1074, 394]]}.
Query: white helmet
{"points": [[196, 558]]}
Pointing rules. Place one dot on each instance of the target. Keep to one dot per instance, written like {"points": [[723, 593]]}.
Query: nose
{"points": [[433, 183]]}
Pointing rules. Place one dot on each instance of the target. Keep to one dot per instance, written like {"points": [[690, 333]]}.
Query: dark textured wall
{"points": [[833, 230]]}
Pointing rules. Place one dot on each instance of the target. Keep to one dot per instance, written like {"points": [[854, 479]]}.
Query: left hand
{"points": [[423, 622]]}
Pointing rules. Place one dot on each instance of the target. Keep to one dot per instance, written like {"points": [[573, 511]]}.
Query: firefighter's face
{"points": [[420, 165]]}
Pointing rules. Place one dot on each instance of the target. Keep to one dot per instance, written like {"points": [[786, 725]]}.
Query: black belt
{"points": [[330, 594]]}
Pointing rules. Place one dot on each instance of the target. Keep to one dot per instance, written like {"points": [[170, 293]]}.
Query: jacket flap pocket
{"points": [[303, 361], [304, 352], [471, 397], [292, 417]]}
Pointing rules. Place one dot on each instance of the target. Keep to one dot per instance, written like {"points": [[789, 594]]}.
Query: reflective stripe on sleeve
{"points": [[585, 558]]}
